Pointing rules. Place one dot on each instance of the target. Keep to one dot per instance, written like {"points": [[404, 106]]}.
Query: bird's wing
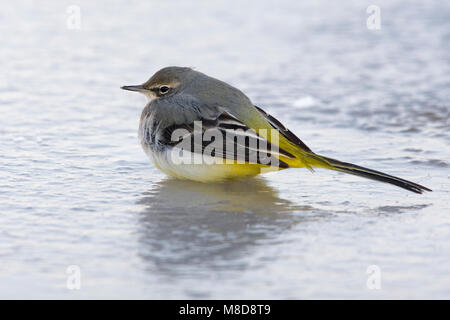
{"points": [[283, 130], [225, 137], [304, 156], [182, 111]]}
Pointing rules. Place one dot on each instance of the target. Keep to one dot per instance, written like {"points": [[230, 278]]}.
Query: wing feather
{"points": [[283, 130], [237, 141]]}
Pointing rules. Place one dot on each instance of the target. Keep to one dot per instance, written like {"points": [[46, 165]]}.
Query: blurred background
{"points": [[84, 214]]}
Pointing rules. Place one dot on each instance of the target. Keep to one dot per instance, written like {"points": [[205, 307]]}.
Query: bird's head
{"points": [[166, 82]]}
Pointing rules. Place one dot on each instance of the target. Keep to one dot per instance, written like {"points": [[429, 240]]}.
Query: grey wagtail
{"points": [[199, 128]]}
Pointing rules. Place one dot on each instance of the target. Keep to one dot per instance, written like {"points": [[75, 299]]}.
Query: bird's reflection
{"points": [[186, 226]]}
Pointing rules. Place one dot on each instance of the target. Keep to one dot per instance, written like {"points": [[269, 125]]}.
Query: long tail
{"points": [[374, 175]]}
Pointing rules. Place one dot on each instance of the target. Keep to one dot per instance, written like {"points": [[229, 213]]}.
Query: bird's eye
{"points": [[163, 89]]}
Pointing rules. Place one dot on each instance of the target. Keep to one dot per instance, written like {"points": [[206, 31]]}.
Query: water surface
{"points": [[76, 189]]}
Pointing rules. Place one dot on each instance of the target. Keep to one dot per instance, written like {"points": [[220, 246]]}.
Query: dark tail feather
{"points": [[375, 175]]}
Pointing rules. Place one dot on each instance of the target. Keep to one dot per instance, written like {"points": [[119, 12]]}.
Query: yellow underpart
{"points": [[211, 172], [303, 158]]}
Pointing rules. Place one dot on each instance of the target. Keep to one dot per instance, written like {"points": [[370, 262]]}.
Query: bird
{"points": [[196, 127]]}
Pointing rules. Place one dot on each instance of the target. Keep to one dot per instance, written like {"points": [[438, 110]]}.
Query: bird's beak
{"points": [[138, 88]]}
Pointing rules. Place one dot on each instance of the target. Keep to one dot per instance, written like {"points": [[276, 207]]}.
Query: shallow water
{"points": [[76, 189]]}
